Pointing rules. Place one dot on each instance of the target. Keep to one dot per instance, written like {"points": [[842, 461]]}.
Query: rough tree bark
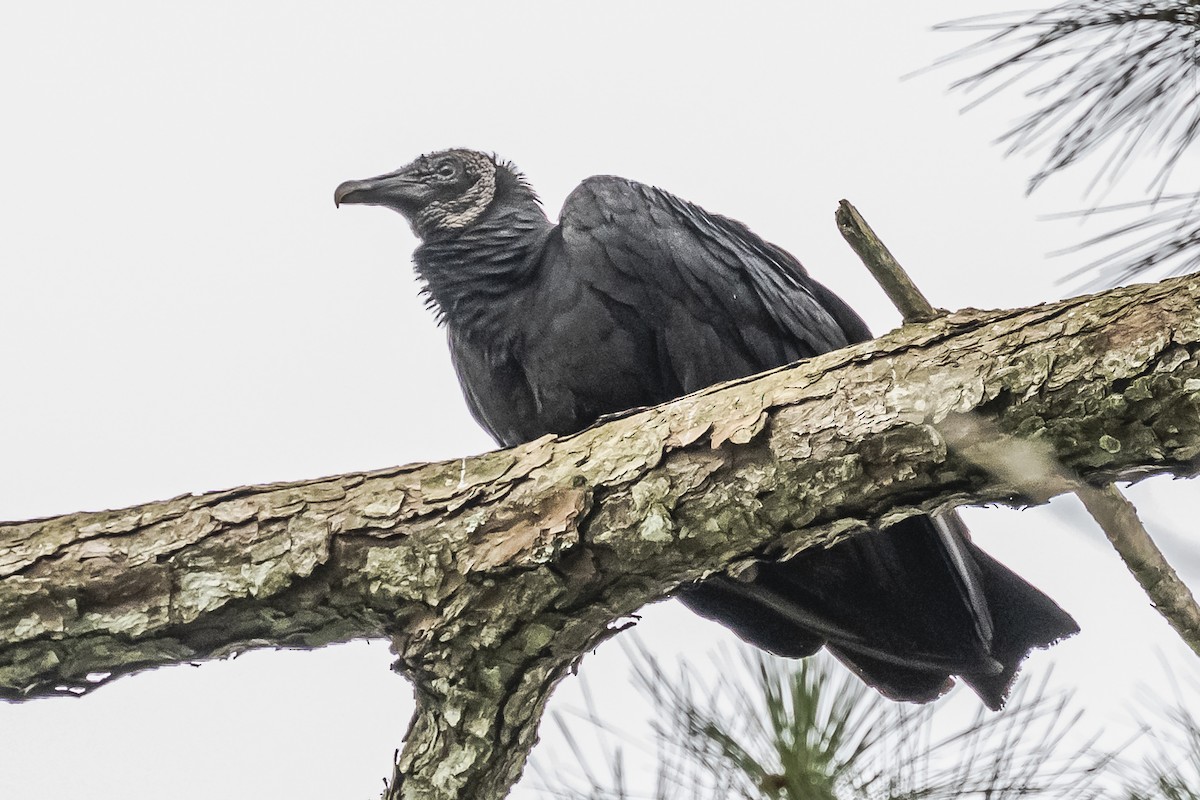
{"points": [[494, 574]]}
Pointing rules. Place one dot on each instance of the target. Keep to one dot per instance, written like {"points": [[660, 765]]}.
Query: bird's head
{"points": [[439, 194]]}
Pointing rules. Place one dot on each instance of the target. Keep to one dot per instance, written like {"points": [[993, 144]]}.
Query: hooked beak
{"points": [[398, 190]]}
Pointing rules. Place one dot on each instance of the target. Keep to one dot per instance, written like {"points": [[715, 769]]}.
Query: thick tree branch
{"points": [[494, 574], [1111, 510]]}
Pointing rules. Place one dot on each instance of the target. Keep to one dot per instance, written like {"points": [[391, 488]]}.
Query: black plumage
{"points": [[637, 297]]}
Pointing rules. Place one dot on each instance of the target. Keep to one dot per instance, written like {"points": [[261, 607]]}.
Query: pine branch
{"points": [[1163, 241], [1115, 81], [763, 728], [1123, 80], [494, 574]]}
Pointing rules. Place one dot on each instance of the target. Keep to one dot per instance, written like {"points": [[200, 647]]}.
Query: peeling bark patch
{"points": [[530, 537]]}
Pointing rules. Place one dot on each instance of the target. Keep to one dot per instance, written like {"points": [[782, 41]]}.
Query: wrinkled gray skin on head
{"points": [[438, 193]]}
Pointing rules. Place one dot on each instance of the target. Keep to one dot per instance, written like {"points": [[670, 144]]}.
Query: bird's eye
{"points": [[445, 169]]}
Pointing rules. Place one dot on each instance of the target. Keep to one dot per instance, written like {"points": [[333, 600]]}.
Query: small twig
{"points": [[1111, 510], [875, 256], [1169, 594]]}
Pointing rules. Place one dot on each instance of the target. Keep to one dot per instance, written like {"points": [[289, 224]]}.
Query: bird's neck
{"points": [[478, 277]]}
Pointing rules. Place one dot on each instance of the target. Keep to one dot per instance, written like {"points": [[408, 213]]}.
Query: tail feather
{"points": [[895, 682], [1025, 620], [906, 608], [719, 599]]}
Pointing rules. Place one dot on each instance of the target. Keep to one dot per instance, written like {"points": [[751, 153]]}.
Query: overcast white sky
{"points": [[182, 308]]}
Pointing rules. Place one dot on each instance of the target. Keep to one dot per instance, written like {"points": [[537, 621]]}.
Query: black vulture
{"points": [[637, 297]]}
